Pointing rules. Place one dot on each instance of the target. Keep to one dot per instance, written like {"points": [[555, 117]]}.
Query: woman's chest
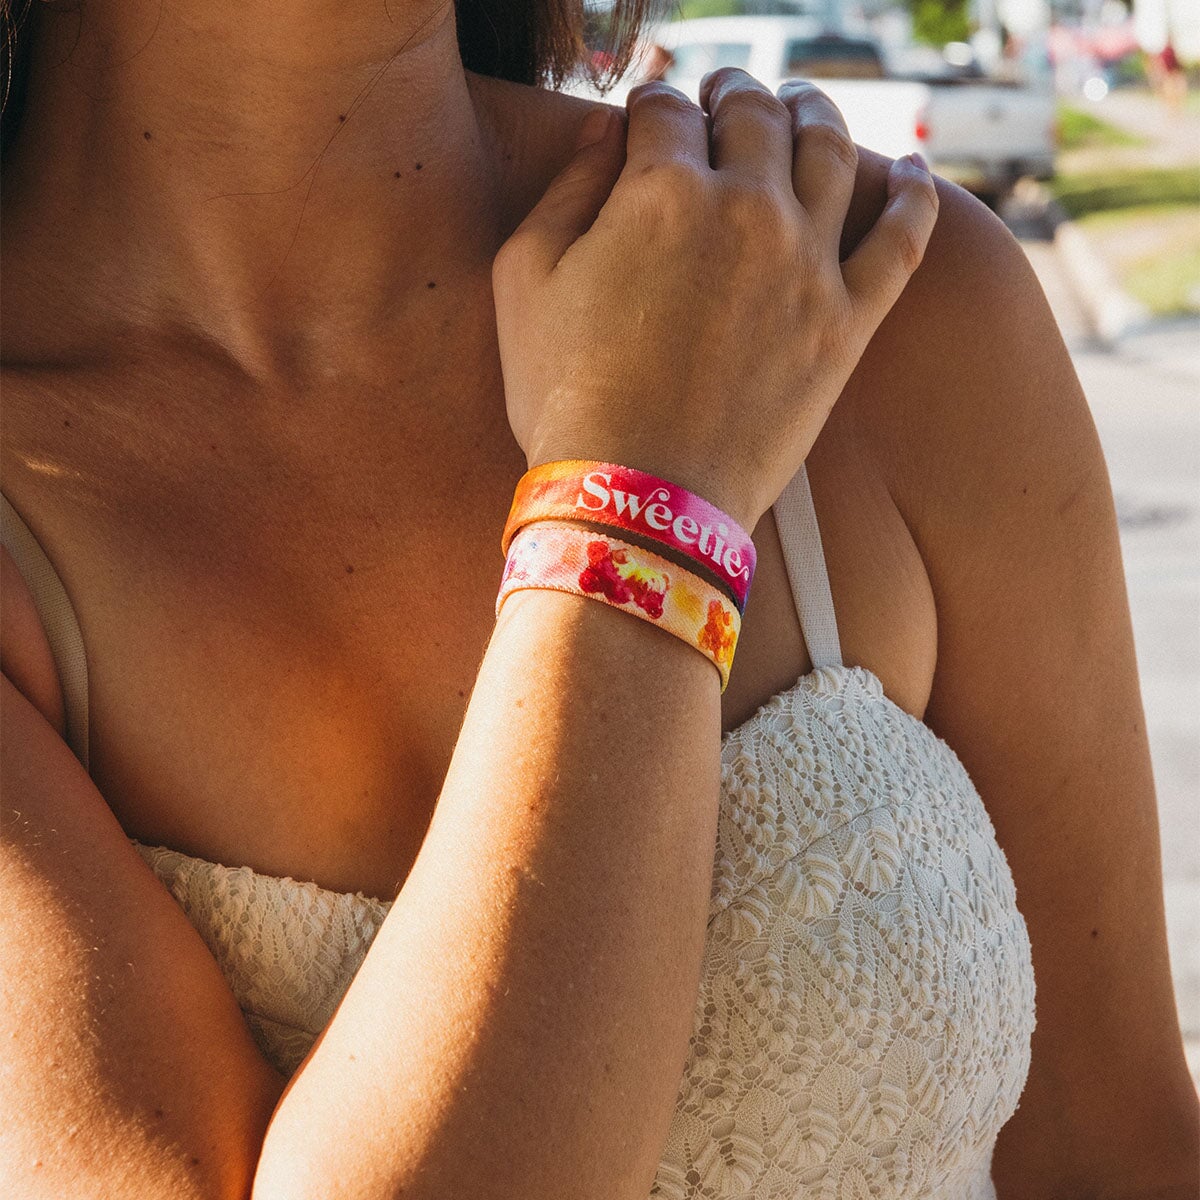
{"points": [[285, 605]]}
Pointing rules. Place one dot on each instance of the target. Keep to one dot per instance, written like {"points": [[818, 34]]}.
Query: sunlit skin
{"points": [[254, 411]]}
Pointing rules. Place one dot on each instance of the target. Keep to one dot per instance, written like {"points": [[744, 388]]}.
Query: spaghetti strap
{"points": [[795, 517], [800, 537], [58, 619]]}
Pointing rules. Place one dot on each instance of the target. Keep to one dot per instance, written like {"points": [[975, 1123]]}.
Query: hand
{"points": [[682, 309]]}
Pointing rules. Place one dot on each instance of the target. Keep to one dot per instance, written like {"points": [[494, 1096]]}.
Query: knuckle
{"points": [[797, 91], [720, 78], [910, 247], [928, 192], [670, 183], [755, 101], [921, 199], [831, 140], [662, 95], [807, 100]]}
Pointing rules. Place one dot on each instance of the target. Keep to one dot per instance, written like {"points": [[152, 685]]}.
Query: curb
{"points": [[1111, 310]]}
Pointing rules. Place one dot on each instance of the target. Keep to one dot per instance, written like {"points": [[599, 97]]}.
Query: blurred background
{"points": [[1078, 121]]}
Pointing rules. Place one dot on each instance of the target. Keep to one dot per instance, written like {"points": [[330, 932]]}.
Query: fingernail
{"points": [[594, 127], [919, 159]]}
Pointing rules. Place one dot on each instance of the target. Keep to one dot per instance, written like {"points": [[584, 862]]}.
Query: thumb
{"points": [[576, 194]]}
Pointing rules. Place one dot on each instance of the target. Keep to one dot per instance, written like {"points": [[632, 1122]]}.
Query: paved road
{"points": [[1145, 398]]}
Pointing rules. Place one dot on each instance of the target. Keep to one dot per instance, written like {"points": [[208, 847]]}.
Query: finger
{"points": [[664, 124], [884, 261], [751, 128], [824, 160], [573, 200]]}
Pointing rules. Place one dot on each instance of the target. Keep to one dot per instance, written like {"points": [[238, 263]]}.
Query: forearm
{"points": [[127, 1070], [520, 1025]]}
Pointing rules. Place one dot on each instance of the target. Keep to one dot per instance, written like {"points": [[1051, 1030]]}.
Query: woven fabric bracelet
{"points": [[608, 494], [570, 558]]}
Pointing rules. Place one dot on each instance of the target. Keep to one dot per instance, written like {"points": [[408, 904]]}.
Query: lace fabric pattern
{"points": [[862, 1029]]}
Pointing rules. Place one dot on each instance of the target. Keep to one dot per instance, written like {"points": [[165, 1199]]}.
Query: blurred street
{"points": [[1145, 397]]}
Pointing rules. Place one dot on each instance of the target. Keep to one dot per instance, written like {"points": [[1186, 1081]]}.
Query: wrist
{"points": [[566, 556], [644, 507], [711, 482], [569, 636]]}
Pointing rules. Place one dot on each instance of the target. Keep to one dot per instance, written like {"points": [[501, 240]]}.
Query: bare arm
{"points": [[519, 1026], [127, 1068], [1004, 483], [520, 1023]]}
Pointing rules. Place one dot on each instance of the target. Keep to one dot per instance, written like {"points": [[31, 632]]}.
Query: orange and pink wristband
{"points": [[571, 558], [632, 500], [547, 546]]}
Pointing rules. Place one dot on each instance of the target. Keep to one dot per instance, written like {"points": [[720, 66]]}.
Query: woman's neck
{"points": [[279, 181]]}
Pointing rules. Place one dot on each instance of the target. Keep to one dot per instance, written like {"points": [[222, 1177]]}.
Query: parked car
{"points": [[982, 133]]}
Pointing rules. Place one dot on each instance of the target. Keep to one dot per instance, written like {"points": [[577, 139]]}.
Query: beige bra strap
{"points": [[800, 536], [58, 619], [795, 517]]}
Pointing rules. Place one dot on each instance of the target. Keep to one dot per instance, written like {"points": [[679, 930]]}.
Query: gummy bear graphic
{"points": [[718, 635], [610, 573]]}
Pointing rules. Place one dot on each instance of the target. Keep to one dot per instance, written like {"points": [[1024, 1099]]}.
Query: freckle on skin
{"points": [[349, 569], [67, 424], [418, 166], [146, 134], [431, 284], [396, 175], [341, 116]]}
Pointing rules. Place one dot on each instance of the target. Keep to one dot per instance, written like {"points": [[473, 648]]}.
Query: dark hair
{"points": [[537, 42]]}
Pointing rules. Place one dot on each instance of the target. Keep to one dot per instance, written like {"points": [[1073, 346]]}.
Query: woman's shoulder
{"points": [[968, 372], [943, 358], [535, 129]]}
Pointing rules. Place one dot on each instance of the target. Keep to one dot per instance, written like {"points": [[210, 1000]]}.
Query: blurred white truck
{"points": [[982, 133]]}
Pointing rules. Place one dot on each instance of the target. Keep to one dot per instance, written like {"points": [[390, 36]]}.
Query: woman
{"points": [[288, 314]]}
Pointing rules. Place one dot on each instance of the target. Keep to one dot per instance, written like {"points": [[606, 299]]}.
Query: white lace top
{"points": [[862, 1029]]}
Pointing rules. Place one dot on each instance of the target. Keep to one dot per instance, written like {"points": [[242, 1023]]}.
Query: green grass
{"points": [[1103, 191], [1113, 218], [1167, 279], [1079, 130], [1167, 284]]}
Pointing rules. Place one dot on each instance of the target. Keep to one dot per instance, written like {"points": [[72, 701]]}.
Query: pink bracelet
{"points": [[608, 494], [569, 558]]}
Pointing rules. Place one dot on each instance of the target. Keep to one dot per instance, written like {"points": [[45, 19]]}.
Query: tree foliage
{"points": [[688, 9], [937, 22]]}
